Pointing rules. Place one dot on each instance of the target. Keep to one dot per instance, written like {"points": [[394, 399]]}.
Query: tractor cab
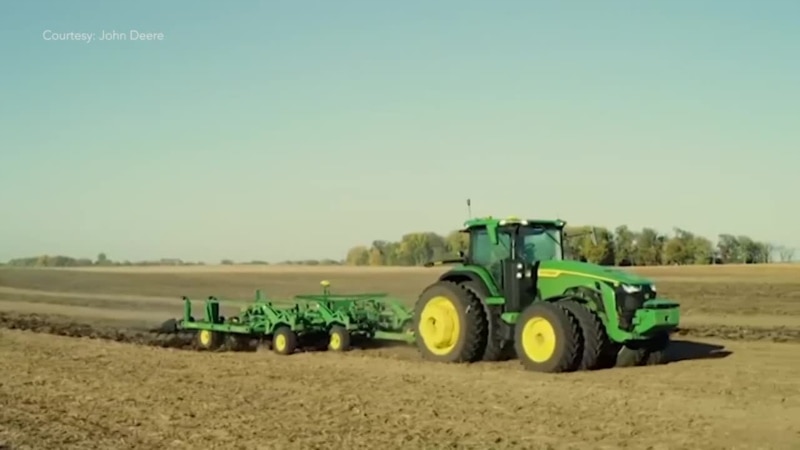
{"points": [[492, 240], [510, 250]]}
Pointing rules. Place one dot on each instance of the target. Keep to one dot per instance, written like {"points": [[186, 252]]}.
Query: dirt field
{"points": [[733, 382]]}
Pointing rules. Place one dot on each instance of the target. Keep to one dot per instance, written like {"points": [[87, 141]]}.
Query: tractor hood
{"points": [[589, 270]]}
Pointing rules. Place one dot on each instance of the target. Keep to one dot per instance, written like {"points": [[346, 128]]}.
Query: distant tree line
{"points": [[103, 261], [303, 262], [620, 247]]}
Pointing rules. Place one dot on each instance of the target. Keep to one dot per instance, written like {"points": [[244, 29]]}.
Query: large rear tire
{"points": [[547, 339], [449, 324], [494, 346], [594, 339]]}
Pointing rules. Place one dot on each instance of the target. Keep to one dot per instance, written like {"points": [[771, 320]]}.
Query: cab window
{"points": [[485, 253], [541, 244]]}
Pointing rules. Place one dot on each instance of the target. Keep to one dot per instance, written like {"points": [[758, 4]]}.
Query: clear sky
{"points": [[296, 129]]}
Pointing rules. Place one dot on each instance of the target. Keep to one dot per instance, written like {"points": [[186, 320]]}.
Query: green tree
{"points": [[702, 250], [649, 247], [419, 248], [597, 246], [456, 242], [764, 252], [624, 246], [728, 248], [375, 257], [573, 243], [358, 256], [750, 251], [102, 260], [786, 254], [687, 248]]}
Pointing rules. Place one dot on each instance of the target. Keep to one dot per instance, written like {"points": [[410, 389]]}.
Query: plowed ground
{"points": [[71, 378]]}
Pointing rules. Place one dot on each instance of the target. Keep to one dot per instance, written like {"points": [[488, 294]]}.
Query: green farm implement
{"points": [[335, 320]]}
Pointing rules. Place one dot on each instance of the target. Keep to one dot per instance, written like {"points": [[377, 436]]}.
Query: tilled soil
{"points": [[65, 393], [71, 379], [65, 326], [743, 333], [62, 326]]}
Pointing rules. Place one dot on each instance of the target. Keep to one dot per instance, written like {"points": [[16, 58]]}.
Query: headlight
{"points": [[631, 289], [653, 287]]}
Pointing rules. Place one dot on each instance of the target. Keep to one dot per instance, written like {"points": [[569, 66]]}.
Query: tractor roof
{"points": [[494, 222]]}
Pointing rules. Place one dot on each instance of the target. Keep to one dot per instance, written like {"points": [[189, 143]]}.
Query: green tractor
{"points": [[513, 292]]}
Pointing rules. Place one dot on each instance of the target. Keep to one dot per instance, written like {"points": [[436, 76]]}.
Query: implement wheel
{"points": [[339, 339], [284, 341], [449, 324], [209, 340], [547, 339]]}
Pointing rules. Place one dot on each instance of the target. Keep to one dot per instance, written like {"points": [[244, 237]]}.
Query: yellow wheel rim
{"points": [[280, 342], [205, 338], [336, 341], [539, 339], [439, 326]]}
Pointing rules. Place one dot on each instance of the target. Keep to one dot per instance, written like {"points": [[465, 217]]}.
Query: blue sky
{"points": [[297, 129]]}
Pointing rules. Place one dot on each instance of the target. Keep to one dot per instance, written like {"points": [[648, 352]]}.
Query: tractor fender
{"points": [[498, 333], [461, 276], [585, 294]]}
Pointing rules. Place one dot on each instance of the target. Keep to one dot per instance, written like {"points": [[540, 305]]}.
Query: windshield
{"points": [[540, 244]]}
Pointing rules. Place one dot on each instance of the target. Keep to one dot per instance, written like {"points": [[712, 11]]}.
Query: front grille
{"points": [[628, 304], [648, 293]]}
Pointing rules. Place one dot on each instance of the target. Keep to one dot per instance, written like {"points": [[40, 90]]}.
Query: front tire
{"points": [[449, 324], [646, 353], [547, 339], [657, 351], [631, 355]]}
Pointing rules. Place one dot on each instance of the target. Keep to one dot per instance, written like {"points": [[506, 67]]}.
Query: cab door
{"points": [[491, 256]]}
